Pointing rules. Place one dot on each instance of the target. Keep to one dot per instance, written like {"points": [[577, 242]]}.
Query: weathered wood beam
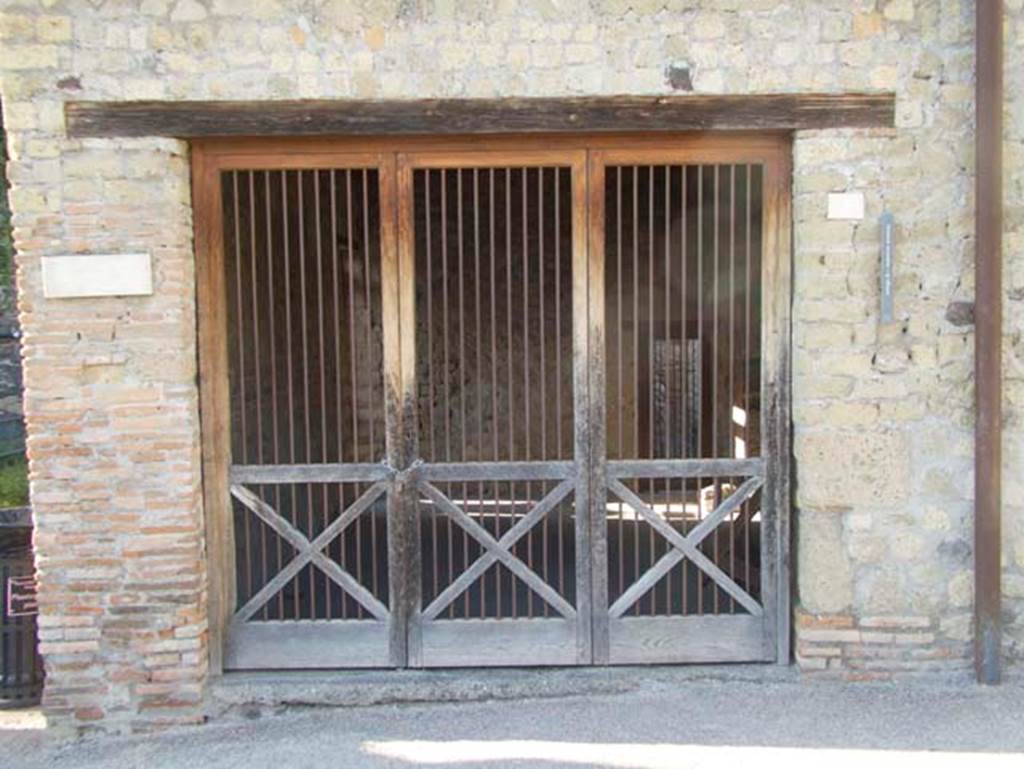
{"points": [[988, 458], [601, 114], [318, 473]]}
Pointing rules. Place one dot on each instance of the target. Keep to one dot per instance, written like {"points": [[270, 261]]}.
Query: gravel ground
{"points": [[695, 725]]}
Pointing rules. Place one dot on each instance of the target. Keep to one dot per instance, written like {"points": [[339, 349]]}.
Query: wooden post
{"points": [[214, 399], [405, 518], [988, 341], [589, 314]]}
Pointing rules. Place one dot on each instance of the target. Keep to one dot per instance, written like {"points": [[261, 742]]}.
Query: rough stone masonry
{"points": [[882, 413]]}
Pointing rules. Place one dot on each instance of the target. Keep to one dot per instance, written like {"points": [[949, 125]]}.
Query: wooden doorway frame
{"points": [[210, 156]]}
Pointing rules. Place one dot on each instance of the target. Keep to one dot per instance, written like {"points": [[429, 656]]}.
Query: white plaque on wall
{"points": [[69, 277], [846, 205]]}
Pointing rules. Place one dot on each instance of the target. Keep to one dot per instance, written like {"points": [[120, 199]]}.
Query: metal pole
{"points": [[988, 342]]}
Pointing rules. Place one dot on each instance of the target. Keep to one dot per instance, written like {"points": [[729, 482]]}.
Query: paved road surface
{"points": [[697, 725]]}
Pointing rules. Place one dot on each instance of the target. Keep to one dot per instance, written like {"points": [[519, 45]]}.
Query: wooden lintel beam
{"points": [[601, 114]]}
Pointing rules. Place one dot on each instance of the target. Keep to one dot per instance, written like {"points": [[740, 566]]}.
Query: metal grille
{"points": [[21, 667], [302, 261], [683, 320], [494, 363]]}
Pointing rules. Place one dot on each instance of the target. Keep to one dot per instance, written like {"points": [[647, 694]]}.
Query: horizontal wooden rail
{"points": [[494, 471], [686, 468], [324, 473], [601, 114], [368, 473]]}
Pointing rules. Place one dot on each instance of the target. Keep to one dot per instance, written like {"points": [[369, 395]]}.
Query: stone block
{"points": [[851, 467], [825, 576], [899, 10]]}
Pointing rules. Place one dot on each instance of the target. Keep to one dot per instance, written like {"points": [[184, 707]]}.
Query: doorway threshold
{"points": [[250, 693]]}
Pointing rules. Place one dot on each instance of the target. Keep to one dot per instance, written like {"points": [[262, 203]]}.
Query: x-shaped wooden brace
{"points": [[685, 547], [310, 552], [498, 550]]}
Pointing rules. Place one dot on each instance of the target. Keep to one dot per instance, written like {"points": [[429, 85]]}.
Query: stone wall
{"points": [[883, 414]]}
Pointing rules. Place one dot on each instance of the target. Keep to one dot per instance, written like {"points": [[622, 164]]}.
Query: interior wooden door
{"points": [[310, 278], [685, 517], [494, 246]]}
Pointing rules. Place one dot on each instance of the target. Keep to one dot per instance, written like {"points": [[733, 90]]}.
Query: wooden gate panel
{"points": [[496, 252], [304, 253], [679, 470]]}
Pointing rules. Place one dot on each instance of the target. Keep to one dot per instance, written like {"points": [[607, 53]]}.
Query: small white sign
{"points": [[71, 277], [846, 205]]}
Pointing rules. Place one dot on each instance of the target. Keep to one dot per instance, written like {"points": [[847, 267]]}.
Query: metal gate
{"points": [[494, 405]]}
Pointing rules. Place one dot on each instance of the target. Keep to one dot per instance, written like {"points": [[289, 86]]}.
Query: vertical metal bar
{"points": [[429, 290], [748, 287], [306, 409], [338, 426], [715, 417], [666, 362], [341, 543], [323, 375], [495, 418], [348, 609], [462, 369], [636, 362], [255, 319], [511, 378], [527, 423], [290, 363], [651, 402], [240, 315], [700, 367], [368, 315], [378, 404], [271, 309], [620, 405], [542, 329], [684, 306], [445, 276], [667, 423], [558, 369], [479, 447], [256, 357], [354, 366], [243, 427], [732, 359]]}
